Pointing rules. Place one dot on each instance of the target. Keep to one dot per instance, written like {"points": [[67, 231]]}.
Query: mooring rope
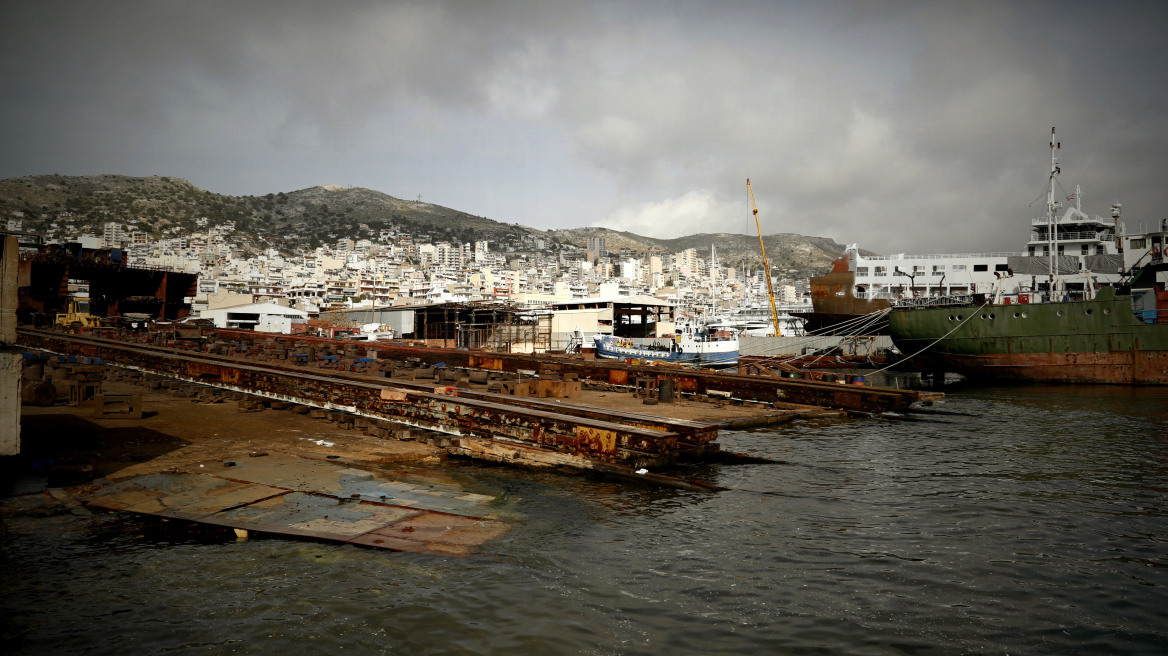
{"points": [[860, 323], [936, 341]]}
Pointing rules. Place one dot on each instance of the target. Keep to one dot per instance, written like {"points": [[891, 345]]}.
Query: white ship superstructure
{"points": [[1086, 248], [910, 276]]}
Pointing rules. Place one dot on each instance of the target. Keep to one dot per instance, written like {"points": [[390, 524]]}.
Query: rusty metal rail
{"points": [[688, 381], [526, 431]]}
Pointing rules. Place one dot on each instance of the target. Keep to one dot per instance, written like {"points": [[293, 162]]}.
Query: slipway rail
{"points": [[491, 427]]}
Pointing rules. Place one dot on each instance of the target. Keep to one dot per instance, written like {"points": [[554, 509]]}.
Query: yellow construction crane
{"points": [[766, 267]]}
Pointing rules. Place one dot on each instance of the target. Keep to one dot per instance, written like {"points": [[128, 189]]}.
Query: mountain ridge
{"points": [[300, 220]]}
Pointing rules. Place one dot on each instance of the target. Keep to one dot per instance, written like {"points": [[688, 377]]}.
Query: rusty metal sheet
{"points": [[416, 488], [210, 371], [288, 495], [597, 439], [484, 362], [435, 533], [314, 515], [184, 495]]}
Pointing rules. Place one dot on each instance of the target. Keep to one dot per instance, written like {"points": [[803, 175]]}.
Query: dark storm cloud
{"points": [[903, 126]]}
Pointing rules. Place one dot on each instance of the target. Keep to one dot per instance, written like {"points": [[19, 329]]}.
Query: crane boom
{"points": [[766, 267]]}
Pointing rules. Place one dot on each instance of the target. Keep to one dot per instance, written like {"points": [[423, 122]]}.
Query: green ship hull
{"points": [[1092, 341]]}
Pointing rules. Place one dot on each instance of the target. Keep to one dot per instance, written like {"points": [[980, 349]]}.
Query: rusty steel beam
{"points": [[529, 433]]}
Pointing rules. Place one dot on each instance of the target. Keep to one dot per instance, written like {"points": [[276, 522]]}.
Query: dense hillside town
{"points": [[352, 256]]}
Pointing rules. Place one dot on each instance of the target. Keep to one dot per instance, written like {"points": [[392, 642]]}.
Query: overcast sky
{"points": [[904, 126]]}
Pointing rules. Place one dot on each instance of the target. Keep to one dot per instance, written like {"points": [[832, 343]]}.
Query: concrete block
{"points": [[517, 387], [394, 395], [83, 392], [117, 406], [557, 389]]}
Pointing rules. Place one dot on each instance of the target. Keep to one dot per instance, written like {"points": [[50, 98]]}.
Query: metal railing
{"points": [[909, 258], [1149, 315], [934, 301], [1071, 236]]}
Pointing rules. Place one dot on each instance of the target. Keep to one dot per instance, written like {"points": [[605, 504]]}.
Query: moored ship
{"points": [[834, 301], [1080, 249], [692, 347], [1110, 338], [1060, 328]]}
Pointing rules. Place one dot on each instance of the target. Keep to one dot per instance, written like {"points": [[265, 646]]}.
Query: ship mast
{"points": [[1051, 234], [713, 272]]}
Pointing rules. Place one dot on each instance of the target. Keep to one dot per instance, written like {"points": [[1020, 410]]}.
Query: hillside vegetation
{"points": [[304, 219]]}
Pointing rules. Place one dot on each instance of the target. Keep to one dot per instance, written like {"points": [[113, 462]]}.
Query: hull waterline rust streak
{"points": [[485, 429], [1092, 368]]}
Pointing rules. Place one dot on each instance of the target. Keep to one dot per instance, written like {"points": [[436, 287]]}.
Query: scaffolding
{"points": [[487, 326]]}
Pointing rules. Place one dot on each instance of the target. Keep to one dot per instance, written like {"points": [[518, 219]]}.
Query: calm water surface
{"points": [[1023, 520]]}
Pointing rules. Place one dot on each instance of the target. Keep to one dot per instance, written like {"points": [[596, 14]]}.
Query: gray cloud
{"points": [[903, 126]]}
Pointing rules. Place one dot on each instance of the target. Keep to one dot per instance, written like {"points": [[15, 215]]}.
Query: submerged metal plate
{"points": [[280, 493]]}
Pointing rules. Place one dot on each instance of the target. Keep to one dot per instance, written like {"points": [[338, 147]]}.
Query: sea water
{"points": [[1012, 520]]}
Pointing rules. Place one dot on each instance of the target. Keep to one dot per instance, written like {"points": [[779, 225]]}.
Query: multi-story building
{"points": [[596, 249]]}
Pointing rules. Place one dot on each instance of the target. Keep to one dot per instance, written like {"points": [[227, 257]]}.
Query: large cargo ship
{"points": [[1049, 330]]}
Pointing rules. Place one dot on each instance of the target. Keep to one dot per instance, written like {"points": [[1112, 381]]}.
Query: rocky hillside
{"points": [[297, 220], [289, 221], [794, 255]]}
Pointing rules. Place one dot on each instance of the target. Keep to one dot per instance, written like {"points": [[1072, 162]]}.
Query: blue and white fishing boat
{"points": [[701, 347]]}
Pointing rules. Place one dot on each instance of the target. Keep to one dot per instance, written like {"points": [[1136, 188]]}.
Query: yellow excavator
{"points": [[76, 315]]}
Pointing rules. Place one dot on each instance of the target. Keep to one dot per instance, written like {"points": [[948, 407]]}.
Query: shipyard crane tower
{"points": [[766, 267]]}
